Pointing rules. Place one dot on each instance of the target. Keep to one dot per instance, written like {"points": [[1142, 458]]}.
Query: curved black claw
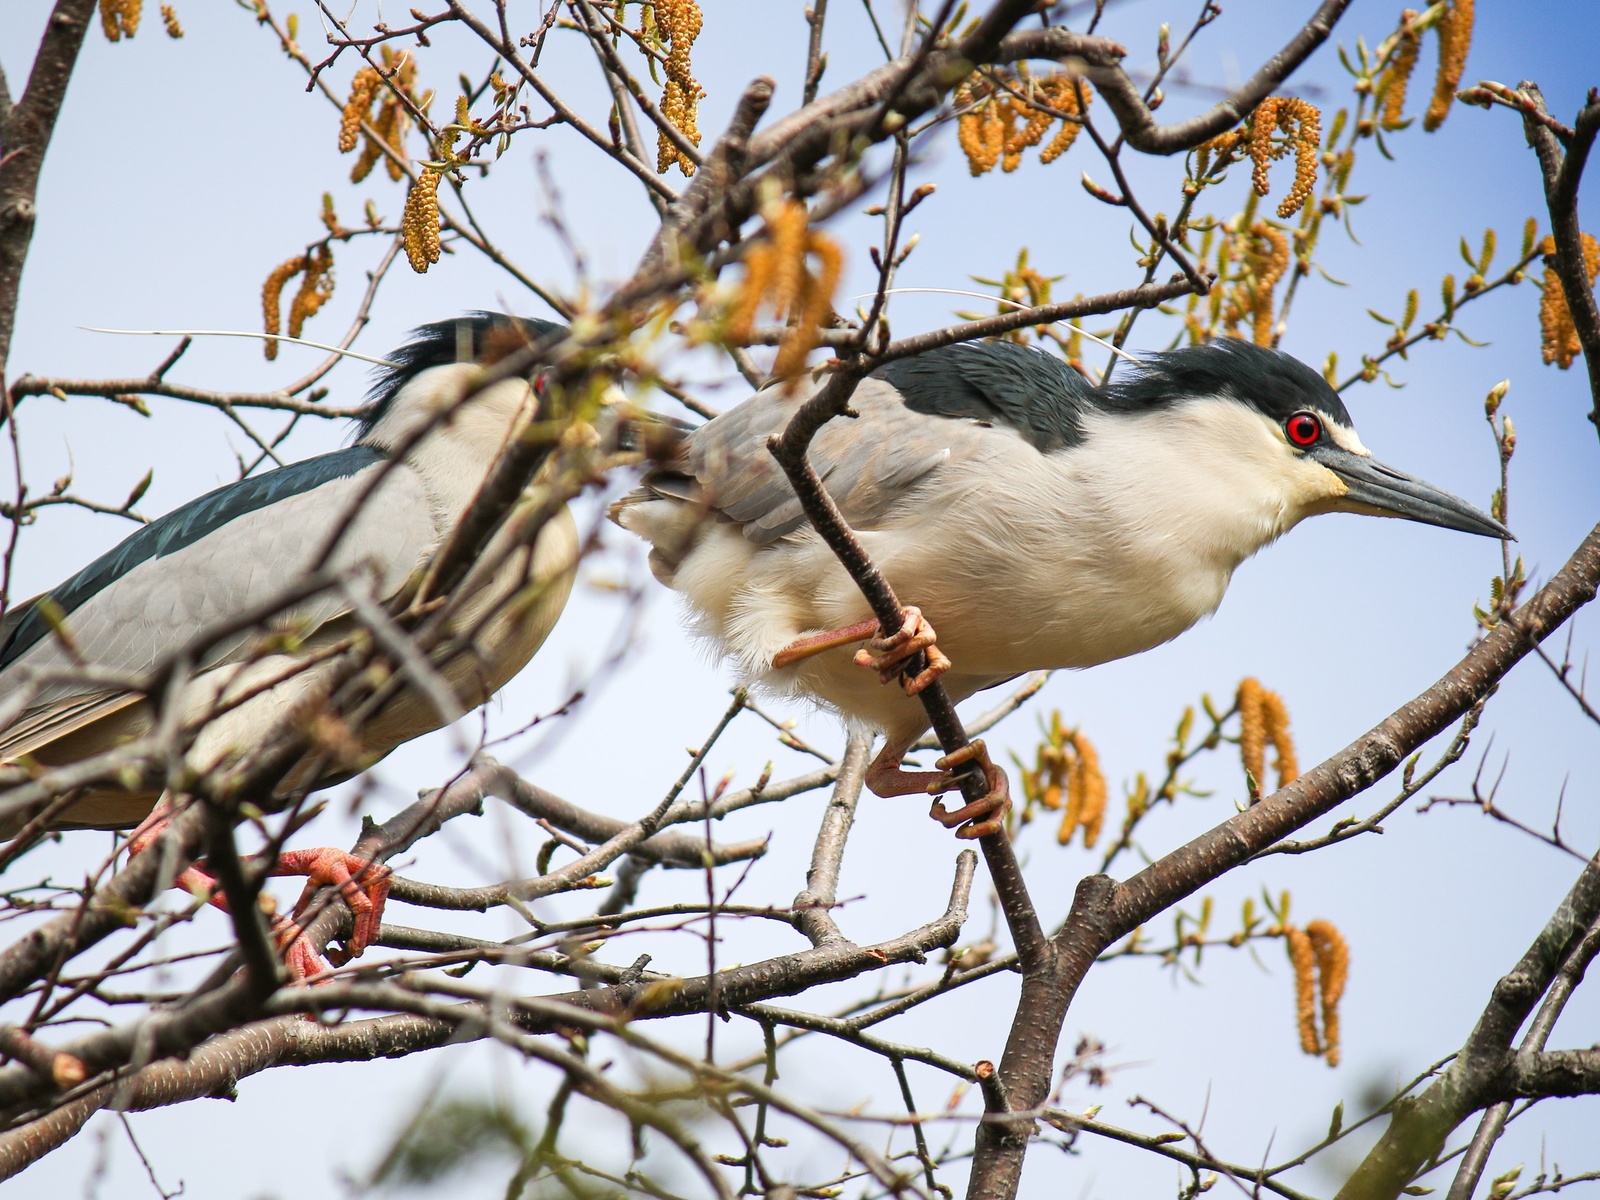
{"points": [[983, 816]]}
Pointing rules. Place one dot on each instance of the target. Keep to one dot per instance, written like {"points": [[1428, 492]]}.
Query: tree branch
{"points": [[1139, 127], [1484, 1069], [1562, 174], [24, 137], [1494, 1120]]}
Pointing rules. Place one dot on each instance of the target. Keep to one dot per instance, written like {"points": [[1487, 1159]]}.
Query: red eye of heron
{"points": [[1303, 429]]}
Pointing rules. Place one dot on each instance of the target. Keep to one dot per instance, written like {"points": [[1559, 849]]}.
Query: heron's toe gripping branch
{"points": [[888, 656], [364, 886], [981, 817]]}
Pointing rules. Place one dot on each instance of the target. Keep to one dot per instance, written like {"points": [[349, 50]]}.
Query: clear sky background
{"points": [[182, 171]]}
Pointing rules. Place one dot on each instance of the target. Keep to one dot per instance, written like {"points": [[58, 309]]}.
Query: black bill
{"points": [[1385, 492]]}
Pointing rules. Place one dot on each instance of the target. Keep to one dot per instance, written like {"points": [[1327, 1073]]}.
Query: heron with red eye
{"points": [[1303, 429]]}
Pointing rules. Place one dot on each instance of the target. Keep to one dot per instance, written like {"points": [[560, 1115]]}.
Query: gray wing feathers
{"points": [[870, 463], [41, 725], [146, 614]]}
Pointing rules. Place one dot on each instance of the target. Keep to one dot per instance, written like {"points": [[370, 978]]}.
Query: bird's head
{"points": [[1274, 425], [441, 363]]}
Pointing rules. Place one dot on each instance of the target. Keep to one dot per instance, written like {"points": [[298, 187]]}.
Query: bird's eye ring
{"points": [[1303, 429]]}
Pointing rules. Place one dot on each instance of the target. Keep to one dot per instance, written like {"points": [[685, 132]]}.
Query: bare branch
{"points": [[1139, 125], [1562, 174], [25, 131]]}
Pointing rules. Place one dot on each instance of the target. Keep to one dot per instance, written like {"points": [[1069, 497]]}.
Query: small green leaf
{"points": [[1185, 725]]}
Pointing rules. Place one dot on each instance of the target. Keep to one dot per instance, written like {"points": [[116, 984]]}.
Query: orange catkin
{"points": [[1269, 268], [1332, 956], [1277, 721], [1303, 959], [1455, 39], [1301, 122], [272, 298], [1262, 124], [357, 108], [120, 18], [1019, 137], [1253, 731], [1092, 809], [816, 303], [1558, 336], [979, 129], [680, 22], [1393, 82], [1065, 93], [1264, 720], [419, 224], [757, 282], [995, 127], [316, 286], [777, 275]]}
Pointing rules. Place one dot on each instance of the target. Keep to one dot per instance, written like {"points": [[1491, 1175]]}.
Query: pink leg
{"points": [[978, 819], [364, 886], [816, 643]]}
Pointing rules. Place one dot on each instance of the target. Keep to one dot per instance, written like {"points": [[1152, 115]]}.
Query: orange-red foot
{"points": [[888, 655], [983, 816], [364, 885], [300, 958]]}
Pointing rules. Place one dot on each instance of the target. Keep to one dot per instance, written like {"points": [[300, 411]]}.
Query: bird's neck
{"points": [[456, 450], [1200, 486]]}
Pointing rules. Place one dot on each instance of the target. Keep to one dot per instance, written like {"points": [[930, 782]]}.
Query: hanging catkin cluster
{"points": [[316, 286], [419, 224], [1066, 777], [1558, 336], [392, 118], [996, 126], [1455, 39], [777, 277], [1396, 77], [1264, 721], [120, 18], [1321, 961], [678, 23], [357, 108], [1279, 126], [1262, 258]]}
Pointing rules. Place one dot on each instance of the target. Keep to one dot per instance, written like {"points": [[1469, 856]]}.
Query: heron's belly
{"points": [[1039, 616], [1002, 605]]}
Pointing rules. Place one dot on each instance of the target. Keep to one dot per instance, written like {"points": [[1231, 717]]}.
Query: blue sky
{"points": [[182, 171]]}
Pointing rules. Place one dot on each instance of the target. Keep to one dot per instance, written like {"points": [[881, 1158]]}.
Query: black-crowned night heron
{"points": [[238, 548], [1042, 522]]}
